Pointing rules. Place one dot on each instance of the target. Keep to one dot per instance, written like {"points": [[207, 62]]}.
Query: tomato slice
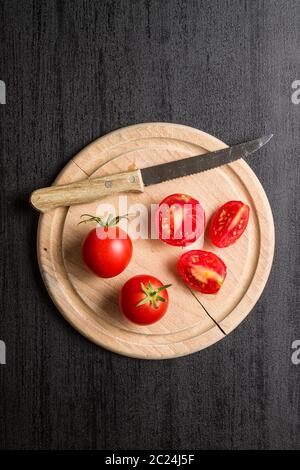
{"points": [[202, 271], [228, 223], [180, 219]]}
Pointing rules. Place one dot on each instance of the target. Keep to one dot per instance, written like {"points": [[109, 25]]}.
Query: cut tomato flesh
{"points": [[237, 220], [202, 271], [228, 223], [203, 274]]}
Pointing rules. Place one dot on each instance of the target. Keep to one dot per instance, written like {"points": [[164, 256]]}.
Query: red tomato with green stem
{"points": [[107, 249], [180, 220], [202, 271], [144, 299], [228, 223]]}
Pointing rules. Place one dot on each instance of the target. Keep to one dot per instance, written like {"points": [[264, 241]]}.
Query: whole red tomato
{"points": [[107, 249], [180, 219], [144, 299], [202, 271], [229, 223]]}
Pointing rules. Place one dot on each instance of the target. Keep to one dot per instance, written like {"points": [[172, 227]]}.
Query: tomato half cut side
{"points": [[228, 223], [180, 219], [202, 271]]}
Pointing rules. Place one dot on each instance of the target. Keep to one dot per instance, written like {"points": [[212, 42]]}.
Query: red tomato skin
{"points": [[194, 212], [107, 257], [131, 294], [206, 260], [226, 232]]}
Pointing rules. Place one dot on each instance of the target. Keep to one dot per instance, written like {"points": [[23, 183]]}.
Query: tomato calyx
{"points": [[111, 221], [152, 295]]}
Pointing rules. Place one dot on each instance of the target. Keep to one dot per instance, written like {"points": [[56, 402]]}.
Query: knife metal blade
{"points": [[188, 166]]}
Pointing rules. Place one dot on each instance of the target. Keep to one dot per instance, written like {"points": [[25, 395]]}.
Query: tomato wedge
{"points": [[228, 223], [180, 219], [202, 271]]}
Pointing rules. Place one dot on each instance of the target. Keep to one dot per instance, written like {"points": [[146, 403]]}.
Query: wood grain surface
{"points": [[88, 190], [75, 71], [193, 321]]}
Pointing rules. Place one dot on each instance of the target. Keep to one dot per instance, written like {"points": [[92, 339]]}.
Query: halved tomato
{"points": [[228, 223], [202, 271], [180, 219]]}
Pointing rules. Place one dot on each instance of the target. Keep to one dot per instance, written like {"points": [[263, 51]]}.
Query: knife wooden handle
{"points": [[88, 190]]}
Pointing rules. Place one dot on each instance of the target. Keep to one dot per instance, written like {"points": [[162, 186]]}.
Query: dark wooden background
{"points": [[74, 71]]}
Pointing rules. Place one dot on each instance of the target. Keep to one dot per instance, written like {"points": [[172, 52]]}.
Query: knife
{"points": [[92, 189]]}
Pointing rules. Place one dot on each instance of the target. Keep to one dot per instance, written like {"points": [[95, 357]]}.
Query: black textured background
{"points": [[76, 70]]}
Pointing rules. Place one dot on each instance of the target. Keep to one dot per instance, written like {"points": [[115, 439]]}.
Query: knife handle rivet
{"points": [[131, 179], [108, 184]]}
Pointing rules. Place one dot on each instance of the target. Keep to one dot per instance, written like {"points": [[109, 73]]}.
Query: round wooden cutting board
{"points": [[193, 321]]}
